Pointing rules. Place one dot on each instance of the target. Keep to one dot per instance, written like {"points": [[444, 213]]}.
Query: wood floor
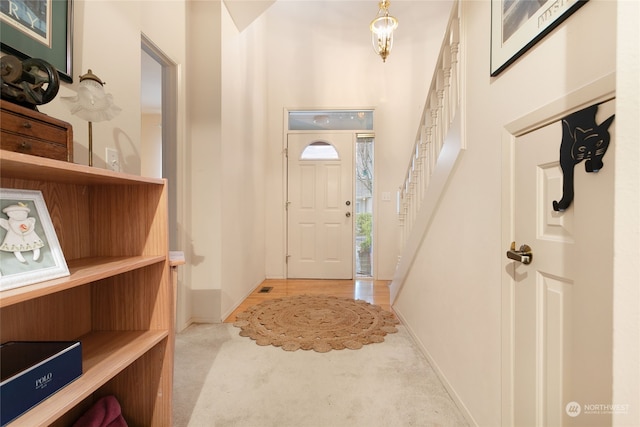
{"points": [[372, 291]]}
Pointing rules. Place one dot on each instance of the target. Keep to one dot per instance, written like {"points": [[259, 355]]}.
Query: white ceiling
{"points": [[343, 12], [244, 12]]}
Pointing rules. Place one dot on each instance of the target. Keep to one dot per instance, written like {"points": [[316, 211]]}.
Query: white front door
{"points": [[320, 206], [558, 344]]}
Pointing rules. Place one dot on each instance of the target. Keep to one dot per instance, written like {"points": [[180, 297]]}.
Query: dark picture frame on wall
{"points": [[517, 25], [39, 29]]}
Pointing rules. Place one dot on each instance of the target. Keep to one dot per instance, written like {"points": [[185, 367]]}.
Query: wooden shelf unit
{"points": [[118, 298]]}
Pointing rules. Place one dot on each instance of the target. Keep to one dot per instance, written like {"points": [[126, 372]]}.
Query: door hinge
{"points": [[286, 259], [286, 205], [286, 152]]}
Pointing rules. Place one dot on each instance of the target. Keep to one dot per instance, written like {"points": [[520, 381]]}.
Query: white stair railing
{"points": [[441, 112], [441, 108]]}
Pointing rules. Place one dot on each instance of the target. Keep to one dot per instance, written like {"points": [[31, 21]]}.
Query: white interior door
{"points": [[560, 305], [320, 206]]}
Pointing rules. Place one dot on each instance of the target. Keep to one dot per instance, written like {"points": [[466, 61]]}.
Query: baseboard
{"points": [[235, 306], [454, 396], [197, 321], [204, 320], [184, 326]]}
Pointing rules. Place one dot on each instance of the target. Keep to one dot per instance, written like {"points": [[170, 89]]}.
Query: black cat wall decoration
{"points": [[582, 139]]}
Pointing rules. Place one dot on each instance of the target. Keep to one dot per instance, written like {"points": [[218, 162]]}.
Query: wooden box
{"points": [[31, 132]]}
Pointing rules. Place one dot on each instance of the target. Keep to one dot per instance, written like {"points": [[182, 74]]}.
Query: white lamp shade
{"points": [[92, 103]]}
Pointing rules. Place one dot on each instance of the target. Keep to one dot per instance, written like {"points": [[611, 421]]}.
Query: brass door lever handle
{"points": [[523, 255]]}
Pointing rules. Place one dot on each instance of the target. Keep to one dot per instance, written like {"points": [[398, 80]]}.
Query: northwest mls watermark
{"points": [[573, 409]]}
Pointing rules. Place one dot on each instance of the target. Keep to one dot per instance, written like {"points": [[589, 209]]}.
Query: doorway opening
{"points": [[159, 124], [352, 122]]}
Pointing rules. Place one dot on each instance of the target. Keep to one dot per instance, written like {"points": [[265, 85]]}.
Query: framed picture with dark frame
{"points": [[517, 25], [29, 248], [39, 29]]}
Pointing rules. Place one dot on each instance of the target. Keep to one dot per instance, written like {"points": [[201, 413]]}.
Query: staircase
{"points": [[439, 143]]}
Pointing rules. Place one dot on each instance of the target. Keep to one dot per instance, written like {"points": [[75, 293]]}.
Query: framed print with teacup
{"points": [[29, 248]]}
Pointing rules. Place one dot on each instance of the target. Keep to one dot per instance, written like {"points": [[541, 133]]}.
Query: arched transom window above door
{"points": [[320, 150]]}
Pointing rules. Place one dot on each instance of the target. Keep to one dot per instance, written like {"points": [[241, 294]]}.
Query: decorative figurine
{"points": [[21, 235]]}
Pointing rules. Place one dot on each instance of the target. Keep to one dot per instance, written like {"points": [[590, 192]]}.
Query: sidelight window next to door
{"points": [[364, 205]]}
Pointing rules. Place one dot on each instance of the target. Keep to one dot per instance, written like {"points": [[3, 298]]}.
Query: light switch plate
{"points": [[112, 159]]}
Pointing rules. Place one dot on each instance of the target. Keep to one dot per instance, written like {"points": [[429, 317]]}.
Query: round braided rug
{"points": [[316, 322]]}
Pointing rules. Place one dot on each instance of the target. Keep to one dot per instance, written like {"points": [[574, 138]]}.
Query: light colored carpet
{"points": [[224, 380]]}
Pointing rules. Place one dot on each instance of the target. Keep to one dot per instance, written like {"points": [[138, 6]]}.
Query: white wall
{"points": [[315, 64], [93, 36], [204, 183], [454, 307], [626, 273], [226, 151], [151, 145], [244, 92]]}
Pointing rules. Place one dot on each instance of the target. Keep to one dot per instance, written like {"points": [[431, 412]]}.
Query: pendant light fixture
{"points": [[382, 28]]}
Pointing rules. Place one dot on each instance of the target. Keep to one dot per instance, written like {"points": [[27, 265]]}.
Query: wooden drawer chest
{"points": [[31, 132]]}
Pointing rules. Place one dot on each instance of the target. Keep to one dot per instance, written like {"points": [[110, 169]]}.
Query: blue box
{"points": [[31, 371]]}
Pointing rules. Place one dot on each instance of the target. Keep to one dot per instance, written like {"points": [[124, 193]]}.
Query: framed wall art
{"points": [[39, 29], [29, 248], [517, 25]]}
